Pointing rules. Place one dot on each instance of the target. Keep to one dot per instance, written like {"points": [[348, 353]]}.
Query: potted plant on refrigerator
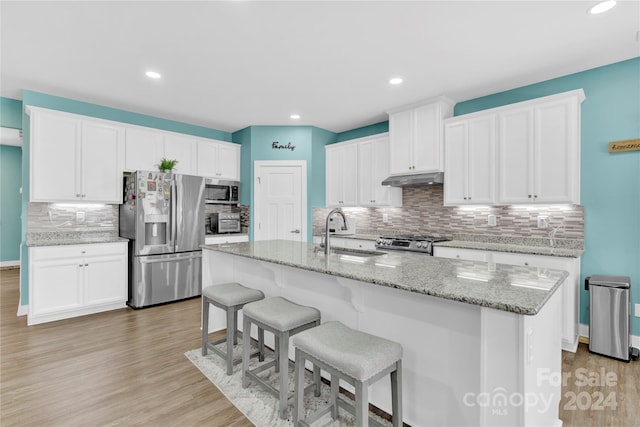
{"points": [[167, 165]]}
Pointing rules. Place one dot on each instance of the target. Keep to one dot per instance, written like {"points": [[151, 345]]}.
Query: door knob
{"points": [[296, 231]]}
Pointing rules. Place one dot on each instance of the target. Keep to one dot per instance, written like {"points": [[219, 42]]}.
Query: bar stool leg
{"points": [[260, 344], [205, 325], [362, 404], [277, 352], [284, 372], [231, 334], [298, 405], [396, 394], [246, 337], [235, 326], [335, 387]]}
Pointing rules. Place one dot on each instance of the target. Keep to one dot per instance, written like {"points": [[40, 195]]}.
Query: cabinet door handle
{"points": [[77, 194], [529, 196], [80, 265], [86, 265], [526, 263], [535, 196]]}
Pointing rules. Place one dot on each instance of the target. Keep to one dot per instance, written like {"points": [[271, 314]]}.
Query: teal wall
{"points": [[609, 183], [72, 106], [10, 113], [309, 145], [10, 183], [373, 129]]}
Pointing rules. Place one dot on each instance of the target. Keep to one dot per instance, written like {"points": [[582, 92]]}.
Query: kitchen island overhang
{"points": [[481, 342]]}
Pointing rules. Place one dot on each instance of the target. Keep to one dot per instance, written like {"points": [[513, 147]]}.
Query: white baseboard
{"points": [[15, 263], [583, 331], [23, 310]]}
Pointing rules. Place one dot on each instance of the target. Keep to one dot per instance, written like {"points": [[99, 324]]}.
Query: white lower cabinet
{"points": [[75, 280], [570, 290], [348, 243], [466, 254], [231, 238]]}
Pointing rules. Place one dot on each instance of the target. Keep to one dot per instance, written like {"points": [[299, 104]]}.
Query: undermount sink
{"points": [[356, 252]]}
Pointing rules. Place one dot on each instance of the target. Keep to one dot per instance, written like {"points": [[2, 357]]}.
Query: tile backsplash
{"points": [[43, 217], [423, 213], [47, 217]]}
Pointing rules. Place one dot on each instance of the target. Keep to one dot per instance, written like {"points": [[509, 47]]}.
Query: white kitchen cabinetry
{"points": [[182, 148], [470, 161], [74, 159], [457, 253], [539, 150], [146, 147], [75, 280], [570, 289], [218, 159], [342, 174], [416, 136], [348, 243], [230, 238], [373, 168]]}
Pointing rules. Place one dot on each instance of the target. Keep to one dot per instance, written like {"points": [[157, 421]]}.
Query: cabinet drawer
{"points": [[465, 254], [77, 251]]}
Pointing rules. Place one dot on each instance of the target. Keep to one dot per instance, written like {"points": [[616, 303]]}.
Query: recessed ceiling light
{"points": [[153, 74], [395, 81], [602, 7], [295, 116]]}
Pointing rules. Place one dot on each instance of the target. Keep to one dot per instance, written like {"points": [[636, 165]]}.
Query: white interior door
{"points": [[280, 200]]}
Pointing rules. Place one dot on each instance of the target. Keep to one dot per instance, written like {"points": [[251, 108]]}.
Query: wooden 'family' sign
{"points": [[626, 145]]}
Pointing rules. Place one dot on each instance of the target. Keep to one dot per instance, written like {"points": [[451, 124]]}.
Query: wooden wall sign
{"points": [[626, 145]]}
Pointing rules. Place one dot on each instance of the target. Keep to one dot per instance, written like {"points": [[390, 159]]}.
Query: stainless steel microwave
{"points": [[221, 192]]}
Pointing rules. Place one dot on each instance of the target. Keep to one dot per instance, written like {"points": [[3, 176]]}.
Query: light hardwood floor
{"points": [[127, 367], [124, 367]]}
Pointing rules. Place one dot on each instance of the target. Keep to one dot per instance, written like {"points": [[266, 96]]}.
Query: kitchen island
{"points": [[481, 341]]}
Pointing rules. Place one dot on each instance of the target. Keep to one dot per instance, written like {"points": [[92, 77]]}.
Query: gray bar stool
{"points": [[356, 357], [284, 319], [229, 297]]}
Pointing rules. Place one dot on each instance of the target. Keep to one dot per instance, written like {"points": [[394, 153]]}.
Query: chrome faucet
{"points": [[327, 245]]}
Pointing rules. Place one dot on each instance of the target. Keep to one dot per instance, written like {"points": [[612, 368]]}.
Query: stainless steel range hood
{"points": [[434, 178]]}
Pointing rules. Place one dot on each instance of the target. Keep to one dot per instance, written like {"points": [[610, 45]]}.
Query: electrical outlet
{"points": [[543, 222], [385, 218], [637, 310], [491, 220], [80, 217]]}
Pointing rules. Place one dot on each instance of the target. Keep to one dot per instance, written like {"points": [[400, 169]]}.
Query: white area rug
{"points": [[259, 406]]}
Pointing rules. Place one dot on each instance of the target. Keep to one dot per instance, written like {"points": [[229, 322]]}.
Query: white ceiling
{"points": [[228, 65]]}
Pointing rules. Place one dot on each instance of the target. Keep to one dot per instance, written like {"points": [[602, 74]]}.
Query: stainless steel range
{"points": [[421, 244]]}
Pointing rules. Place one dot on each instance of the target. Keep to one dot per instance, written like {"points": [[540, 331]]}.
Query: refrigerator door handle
{"points": [[153, 260], [173, 218]]}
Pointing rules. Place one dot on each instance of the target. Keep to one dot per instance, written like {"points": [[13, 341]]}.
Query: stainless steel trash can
{"points": [[609, 315]]}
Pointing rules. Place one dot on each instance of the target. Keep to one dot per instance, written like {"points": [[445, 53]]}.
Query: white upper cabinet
{"points": [[528, 152], [144, 149], [73, 158], [182, 148], [218, 159], [539, 151], [341, 174], [470, 161], [416, 134], [102, 158], [373, 167]]}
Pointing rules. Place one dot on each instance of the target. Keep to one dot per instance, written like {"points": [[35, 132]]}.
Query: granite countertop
{"points": [[570, 248], [516, 289], [62, 238]]}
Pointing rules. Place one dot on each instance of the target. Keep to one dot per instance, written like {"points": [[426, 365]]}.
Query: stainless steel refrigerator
{"points": [[163, 218]]}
